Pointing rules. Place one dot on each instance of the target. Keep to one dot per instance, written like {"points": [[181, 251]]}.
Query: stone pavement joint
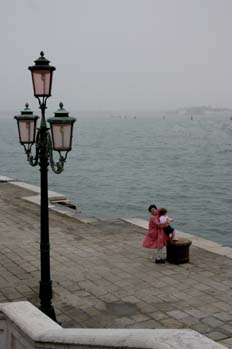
{"points": [[103, 277]]}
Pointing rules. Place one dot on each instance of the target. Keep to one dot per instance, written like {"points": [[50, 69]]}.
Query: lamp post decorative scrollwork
{"points": [[46, 141]]}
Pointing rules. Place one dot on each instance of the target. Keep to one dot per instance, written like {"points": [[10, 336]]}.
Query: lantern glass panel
{"points": [[42, 82], [26, 131], [62, 136]]}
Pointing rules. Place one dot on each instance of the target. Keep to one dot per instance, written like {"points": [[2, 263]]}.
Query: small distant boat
{"points": [[191, 117], [116, 116], [231, 118]]}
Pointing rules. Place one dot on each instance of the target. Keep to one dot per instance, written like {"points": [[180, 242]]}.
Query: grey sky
{"points": [[119, 54]]}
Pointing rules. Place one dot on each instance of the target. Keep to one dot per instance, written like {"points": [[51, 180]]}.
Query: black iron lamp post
{"points": [[60, 139]]}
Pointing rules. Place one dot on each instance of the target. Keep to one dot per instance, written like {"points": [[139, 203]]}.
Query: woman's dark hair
{"points": [[162, 211], [151, 207]]}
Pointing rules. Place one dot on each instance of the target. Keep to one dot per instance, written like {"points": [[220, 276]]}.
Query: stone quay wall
{"points": [[23, 326]]}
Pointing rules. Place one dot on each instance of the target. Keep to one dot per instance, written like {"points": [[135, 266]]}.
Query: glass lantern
{"points": [[42, 74], [26, 125], [62, 129]]}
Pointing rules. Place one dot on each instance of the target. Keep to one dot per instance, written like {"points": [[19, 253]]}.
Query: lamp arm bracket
{"points": [[33, 159], [57, 167], [42, 102]]}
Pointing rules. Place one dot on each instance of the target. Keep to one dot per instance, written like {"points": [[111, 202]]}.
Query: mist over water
{"points": [[119, 166]]}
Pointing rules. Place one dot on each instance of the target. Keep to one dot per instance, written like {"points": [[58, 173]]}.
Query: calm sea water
{"points": [[120, 166]]}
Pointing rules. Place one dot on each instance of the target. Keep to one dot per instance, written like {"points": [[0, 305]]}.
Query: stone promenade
{"points": [[102, 277]]}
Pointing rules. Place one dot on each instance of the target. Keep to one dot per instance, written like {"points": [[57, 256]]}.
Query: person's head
{"points": [[152, 209], [162, 211]]}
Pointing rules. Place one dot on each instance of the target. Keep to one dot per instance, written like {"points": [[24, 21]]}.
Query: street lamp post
{"points": [[60, 140]]}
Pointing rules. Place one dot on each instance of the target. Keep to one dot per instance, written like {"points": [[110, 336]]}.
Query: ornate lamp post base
{"points": [[45, 295]]}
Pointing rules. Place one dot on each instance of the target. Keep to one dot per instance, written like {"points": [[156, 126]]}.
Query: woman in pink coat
{"points": [[155, 237]]}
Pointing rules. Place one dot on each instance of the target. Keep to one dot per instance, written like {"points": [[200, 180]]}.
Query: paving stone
{"points": [[171, 323], [158, 315], [227, 328], [124, 322], [131, 299], [213, 322], [140, 317], [177, 314], [195, 312], [146, 308], [226, 342], [78, 314], [202, 328], [109, 298], [189, 321], [146, 324], [224, 316], [216, 335]]}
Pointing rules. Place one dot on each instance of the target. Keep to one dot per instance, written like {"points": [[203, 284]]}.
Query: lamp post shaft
{"points": [[45, 293]]}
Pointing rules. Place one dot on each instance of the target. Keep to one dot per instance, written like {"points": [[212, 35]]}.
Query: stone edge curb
{"points": [[197, 241]]}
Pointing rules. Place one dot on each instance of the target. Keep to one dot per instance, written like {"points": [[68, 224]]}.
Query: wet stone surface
{"points": [[102, 277], [121, 309]]}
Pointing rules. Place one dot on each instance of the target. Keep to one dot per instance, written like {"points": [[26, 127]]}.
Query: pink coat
{"points": [[155, 237]]}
